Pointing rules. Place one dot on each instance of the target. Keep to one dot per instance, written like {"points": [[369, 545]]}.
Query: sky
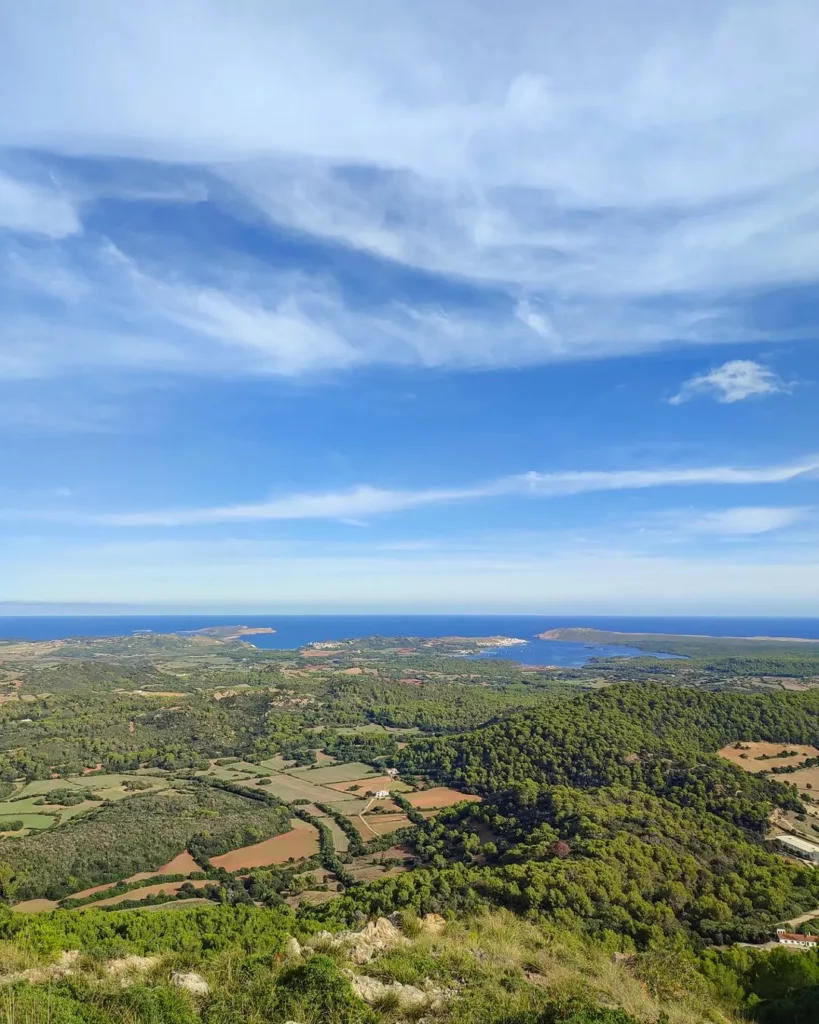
{"points": [[410, 306]]}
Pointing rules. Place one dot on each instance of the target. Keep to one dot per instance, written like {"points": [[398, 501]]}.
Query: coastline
{"points": [[559, 634]]}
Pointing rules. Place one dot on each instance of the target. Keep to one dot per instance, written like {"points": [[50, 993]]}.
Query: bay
{"points": [[296, 630]]}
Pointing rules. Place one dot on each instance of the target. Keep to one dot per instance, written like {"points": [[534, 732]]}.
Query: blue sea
{"points": [[297, 630]]}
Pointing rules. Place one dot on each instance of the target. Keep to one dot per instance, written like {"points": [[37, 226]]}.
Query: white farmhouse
{"points": [[799, 848]]}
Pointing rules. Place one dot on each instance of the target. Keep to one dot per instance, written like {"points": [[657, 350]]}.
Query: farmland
{"points": [[165, 815], [297, 844]]}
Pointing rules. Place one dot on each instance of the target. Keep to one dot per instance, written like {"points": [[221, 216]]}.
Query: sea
{"points": [[296, 630]]}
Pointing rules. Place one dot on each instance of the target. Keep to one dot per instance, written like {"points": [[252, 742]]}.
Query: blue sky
{"points": [[410, 307]]}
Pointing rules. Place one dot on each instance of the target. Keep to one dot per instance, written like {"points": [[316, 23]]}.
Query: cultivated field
{"points": [[289, 788], [752, 751], [370, 784], [371, 825], [170, 888], [343, 786], [806, 779], [440, 796], [348, 772], [301, 841]]}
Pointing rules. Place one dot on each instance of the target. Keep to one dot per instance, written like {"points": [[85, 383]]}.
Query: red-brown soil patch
{"points": [[35, 906], [805, 778], [92, 891], [149, 890], [301, 841], [364, 870], [372, 784], [182, 864], [439, 796], [755, 750], [380, 824]]}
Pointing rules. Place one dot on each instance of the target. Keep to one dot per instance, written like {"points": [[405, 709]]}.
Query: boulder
{"points": [[190, 982]]}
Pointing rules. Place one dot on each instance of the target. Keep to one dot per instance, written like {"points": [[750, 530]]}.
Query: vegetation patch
{"points": [[130, 836]]}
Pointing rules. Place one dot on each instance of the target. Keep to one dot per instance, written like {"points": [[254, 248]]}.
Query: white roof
{"points": [[799, 844]]}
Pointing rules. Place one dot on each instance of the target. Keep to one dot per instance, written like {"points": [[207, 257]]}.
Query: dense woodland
{"points": [[608, 825]]}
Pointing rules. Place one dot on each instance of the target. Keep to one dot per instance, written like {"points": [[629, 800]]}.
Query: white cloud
{"points": [[587, 159], [734, 381], [116, 312], [29, 208], [365, 500], [739, 522]]}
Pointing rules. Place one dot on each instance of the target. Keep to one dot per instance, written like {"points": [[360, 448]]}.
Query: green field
{"points": [[287, 788], [41, 786], [276, 764], [29, 820], [105, 782], [348, 772]]}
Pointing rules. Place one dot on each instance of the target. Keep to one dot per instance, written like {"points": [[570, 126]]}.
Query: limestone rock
{"points": [[190, 982], [62, 966], [127, 967], [432, 924], [362, 945], [371, 990]]}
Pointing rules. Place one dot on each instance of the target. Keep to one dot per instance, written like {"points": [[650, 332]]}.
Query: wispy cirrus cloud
{"points": [[606, 188], [26, 206], [734, 381], [366, 501], [741, 521]]}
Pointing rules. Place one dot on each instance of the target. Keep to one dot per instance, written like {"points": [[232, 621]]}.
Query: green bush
{"points": [[317, 991]]}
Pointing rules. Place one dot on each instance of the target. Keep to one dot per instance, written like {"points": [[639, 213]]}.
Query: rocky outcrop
{"points": [[362, 945], [371, 990]]}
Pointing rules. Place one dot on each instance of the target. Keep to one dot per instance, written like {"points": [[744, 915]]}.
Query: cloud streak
{"points": [[367, 501], [734, 381], [743, 521], [31, 209]]}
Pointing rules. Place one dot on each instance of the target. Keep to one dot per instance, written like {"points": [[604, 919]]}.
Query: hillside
{"points": [[598, 856]]}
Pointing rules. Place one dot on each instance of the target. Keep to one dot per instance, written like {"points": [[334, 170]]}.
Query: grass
{"points": [[29, 820], [348, 772], [492, 967]]}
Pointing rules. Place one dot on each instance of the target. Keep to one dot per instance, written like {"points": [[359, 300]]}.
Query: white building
{"points": [[799, 848], [795, 939]]}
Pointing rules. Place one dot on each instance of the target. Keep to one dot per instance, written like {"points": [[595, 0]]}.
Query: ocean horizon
{"points": [[297, 630]]}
